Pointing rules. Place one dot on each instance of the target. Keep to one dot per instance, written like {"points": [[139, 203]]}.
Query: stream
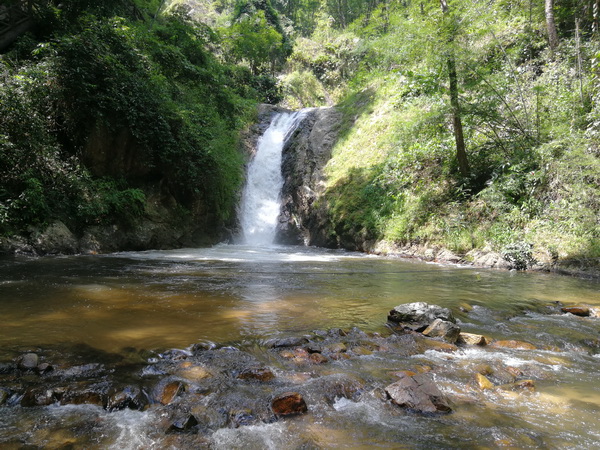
{"points": [[119, 319]]}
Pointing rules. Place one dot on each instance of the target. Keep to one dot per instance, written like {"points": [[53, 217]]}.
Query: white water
{"points": [[261, 197]]}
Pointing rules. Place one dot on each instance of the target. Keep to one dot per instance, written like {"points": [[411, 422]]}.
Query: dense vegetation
{"points": [[530, 117], [467, 124], [116, 68]]}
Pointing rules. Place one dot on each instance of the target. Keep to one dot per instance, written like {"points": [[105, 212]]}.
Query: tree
{"points": [[258, 43], [461, 153], [551, 25]]}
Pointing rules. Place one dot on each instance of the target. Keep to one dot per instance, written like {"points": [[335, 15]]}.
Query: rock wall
{"points": [[303, 219]]}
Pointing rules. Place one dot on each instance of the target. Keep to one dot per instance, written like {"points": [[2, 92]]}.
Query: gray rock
{"points": [[305, 154], [182, 424], [419, 315], [56, 239], [441, 328], [294, 341], [418, 393], [28, 361]]}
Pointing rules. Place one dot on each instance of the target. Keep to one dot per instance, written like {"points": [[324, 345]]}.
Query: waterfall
{"points": [[261, 197]]}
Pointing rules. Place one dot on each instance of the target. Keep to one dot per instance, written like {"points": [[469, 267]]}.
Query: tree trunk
{"points": [[461, 152], [551, 25]]}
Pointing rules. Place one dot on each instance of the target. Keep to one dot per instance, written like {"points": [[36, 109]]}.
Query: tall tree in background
{"points": [[461, 153], [551, 25]]}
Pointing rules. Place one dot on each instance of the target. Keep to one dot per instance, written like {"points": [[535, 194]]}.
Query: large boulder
{"points": [[419, 315], [418, 393]]}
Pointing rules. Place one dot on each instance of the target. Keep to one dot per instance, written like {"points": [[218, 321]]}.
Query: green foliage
{"points": [[159, 82], [531, 127]]}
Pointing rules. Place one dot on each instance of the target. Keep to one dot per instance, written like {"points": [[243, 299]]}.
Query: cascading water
{"points": [[261, 197]]}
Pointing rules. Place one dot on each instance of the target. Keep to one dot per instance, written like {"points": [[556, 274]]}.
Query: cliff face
{"points": [[303, 218]]}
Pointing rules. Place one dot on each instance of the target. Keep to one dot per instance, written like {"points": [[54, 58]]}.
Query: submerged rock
{"points": [[519, 345], [289, 404], [418, 393], [256, 373], [419, 315]]}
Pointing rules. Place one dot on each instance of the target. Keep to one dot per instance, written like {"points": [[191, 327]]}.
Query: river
{"points": [[107, 308]]}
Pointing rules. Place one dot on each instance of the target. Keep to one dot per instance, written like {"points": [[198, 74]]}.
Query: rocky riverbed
{"points": [[194, 393]]}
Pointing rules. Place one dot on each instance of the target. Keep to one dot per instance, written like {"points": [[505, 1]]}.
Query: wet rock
{"points": [[578, 310], [519, 345], [404, 345], [83, 371], [317, 358], [418, 393], [404, 373], [448, 331], [256, 373], [203, 346], [3, 396], [419, 315], [472, 339], [40, 397], [242, 417], [166, 392], [7, 368], [286, 342], [336, 386], [183, 424], [338, 347], [361, 351], [289, 404], [86, 394], [425, 343], [175, 354], [518, 386], [483, 382], [130, 397], [28, 361], [44, 368], [192, 372]]}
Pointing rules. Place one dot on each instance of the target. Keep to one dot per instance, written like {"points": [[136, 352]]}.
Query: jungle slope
{"points": [[531, 118]]}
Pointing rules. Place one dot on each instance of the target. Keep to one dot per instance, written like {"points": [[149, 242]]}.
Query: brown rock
{"points": [[339, 347], [520, 345], [193, 373], [256, 373], [444, 329], [168, 392], [472, 339], [317, 358], [404, 373], [483, 382], [578, 310], [519, 385], [424, 344], [361, 351], [288, 404], [418, 393]]}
